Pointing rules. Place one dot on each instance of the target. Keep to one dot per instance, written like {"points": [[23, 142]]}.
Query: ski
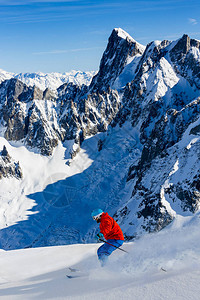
{"points": [[73, 269], [73, 276], [75, 273], [162, 269]]}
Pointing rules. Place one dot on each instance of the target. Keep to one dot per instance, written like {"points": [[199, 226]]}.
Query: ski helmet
{"points": [[96, 213]]}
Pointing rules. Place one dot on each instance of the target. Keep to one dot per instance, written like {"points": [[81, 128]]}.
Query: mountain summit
{"points": [[121, 49]]}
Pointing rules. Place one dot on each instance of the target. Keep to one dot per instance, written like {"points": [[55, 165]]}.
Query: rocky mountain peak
{"points": [[122, 34], [185, 56], [183, 45], [15, 89], [4, 151], [120, 49]]}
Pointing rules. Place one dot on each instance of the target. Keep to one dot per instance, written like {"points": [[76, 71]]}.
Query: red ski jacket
{"points": [[110, 228]]}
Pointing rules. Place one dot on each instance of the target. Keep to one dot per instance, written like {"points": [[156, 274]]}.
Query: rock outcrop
{"points": [[8, 167]]}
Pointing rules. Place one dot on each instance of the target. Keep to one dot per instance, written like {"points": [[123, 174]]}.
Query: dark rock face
{"points": [[168, 130], [48, 95], [8, 167], [38, 133], [84, 113], [13, 95], [25, 119]]}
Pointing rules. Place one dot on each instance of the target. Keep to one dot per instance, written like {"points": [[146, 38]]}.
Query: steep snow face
{"points": [[196, 53], [38, 171], [124, 35], [128, 74]]}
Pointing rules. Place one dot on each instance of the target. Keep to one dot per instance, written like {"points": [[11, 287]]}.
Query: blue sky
{"points": [[58, 36]]}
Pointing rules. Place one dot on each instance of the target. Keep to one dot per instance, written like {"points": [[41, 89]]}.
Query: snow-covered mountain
{"points": [[5, 75], [49, 80], [54, 80], [128, 143]]}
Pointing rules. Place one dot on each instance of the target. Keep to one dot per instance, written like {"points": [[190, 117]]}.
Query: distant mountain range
{"points": [[131, 138], [49, 80]]}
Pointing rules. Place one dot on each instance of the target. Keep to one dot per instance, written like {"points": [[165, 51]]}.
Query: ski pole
{"points": [[112, 245]]}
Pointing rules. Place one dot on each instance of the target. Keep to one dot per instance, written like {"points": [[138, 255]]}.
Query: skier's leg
{"points": [[103, 254], [105, 250], [116, 243]]}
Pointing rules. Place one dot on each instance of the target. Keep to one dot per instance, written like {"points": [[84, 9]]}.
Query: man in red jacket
{"points": [[110, 230]]}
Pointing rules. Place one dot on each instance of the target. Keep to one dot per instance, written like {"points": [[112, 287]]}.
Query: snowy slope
{"points": [[57, 194], [37, 170], [40, 273]]}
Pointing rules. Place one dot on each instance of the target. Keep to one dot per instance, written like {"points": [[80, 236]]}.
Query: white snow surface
{"points": [[196, 53], [40, 273], [5, 75], [128, 73], [124, 35]]}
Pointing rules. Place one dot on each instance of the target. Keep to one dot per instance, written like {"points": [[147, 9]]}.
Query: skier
{"points": [[110, 230]]}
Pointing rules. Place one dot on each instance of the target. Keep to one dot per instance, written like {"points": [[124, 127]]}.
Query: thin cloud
{"points": [[192, 21], [65, 51], [56, 1], [46, 13], [100, 32], [26, 2], [31, 2]]}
